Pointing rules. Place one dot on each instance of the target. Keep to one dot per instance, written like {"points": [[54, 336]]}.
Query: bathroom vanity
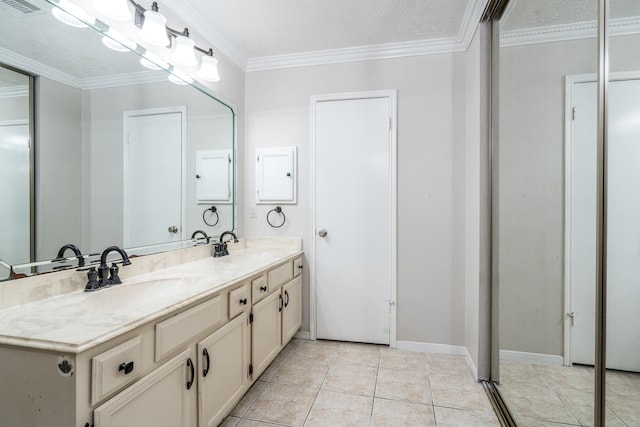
{"points": [[172, 346]]}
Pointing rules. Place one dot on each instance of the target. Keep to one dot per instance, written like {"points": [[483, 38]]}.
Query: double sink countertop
{"points": [[76, 321]]}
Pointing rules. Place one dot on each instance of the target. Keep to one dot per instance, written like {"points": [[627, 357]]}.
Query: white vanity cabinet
{"points": [[162, 398], [188, 367], [276, 318], [223, 374]]}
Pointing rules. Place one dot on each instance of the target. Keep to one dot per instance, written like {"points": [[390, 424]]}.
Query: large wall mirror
{"points": [[547, 206], [97, 150]]}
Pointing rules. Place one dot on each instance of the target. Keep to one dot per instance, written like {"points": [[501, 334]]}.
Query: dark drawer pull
{"points": [[243, 301], [193, 373], [126, 367], [205, 370], [263, 289]]}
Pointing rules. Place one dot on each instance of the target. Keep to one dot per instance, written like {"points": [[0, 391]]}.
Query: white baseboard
{"points": [[455, 350], [303, 335], [521, 356]]}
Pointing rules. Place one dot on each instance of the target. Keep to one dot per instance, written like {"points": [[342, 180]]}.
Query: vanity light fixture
{"points": [[184, 53], [209, 68], [72, 14], [115, 9], [154, 27], [117, 41], [154, 30]]}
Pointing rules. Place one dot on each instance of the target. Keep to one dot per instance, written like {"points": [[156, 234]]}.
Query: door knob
{"points": [[173, 229], [322, 233]]}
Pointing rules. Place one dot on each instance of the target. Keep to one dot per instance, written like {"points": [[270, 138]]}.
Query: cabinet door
{"points": [[266, 333], [292, 309], [223, 374], [159, 399]]}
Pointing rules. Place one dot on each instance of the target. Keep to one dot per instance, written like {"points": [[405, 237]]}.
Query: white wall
{"points": [[431, 180], [58, 162]]}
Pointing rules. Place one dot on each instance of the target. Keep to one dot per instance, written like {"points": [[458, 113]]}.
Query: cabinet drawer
{"points": [[238, 301], [115, 368], [280, 275], [259, 288], [297, 267], [176, 331]]}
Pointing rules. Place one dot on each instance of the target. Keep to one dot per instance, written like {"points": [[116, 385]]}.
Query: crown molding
{"points": [[36, 68], [459, 43], [351, 54], [185, 10], [14, 91], [555, 33]]}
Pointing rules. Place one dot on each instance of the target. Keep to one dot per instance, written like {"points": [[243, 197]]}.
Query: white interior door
{"points": [[354, 207], [154, 177], [15, 215], [623, 227], [582, 222]]}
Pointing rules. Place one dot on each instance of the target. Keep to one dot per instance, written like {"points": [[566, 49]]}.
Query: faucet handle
{"points": [[114, 279], [92, 283]]}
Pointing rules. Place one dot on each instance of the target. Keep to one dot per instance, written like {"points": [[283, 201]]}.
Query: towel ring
{"points": [[277, 209], [214, 210]]}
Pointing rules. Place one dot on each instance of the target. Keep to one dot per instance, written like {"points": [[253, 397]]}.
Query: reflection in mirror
{"points": [[623, 229], [15, 168], [546, 209], [123, 156]]}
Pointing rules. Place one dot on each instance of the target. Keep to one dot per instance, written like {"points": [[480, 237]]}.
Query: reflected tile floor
{"points": [[328, 383], [554, 396]]}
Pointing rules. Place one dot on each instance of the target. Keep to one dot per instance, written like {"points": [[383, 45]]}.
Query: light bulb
{"points": [[72, 14], [153, 62], [115, 9], [183, 54], [154, 29], [117, 41], [209, 69]]}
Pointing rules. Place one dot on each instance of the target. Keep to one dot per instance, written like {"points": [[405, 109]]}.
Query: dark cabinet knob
{"points": [[243, 301], [126, 367], [263, 289]]}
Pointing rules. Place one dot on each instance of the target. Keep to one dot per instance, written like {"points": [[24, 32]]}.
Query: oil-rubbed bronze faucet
{"points": [[221, 246], [106, 276], [75, 250], [195, 233]]}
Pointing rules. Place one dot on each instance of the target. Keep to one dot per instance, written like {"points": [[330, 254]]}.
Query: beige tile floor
{"points": [[326, 383], [554, 396]]}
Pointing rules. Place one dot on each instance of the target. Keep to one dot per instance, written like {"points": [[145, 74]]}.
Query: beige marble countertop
{"points": [[77, 321]]}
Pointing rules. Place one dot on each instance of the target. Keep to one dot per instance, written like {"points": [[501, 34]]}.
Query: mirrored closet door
{"points": [[549, 251]]}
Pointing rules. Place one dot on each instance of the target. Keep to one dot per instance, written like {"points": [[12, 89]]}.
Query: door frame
{"points": [[391, 96], [127, 115], [570, 81]]}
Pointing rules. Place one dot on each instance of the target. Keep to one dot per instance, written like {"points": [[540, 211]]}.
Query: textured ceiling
{"points": [[526, 14], [277, 27]]}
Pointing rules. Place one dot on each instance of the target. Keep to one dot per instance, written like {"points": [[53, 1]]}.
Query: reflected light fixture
{"points": [[117, 41], [72, 14], [209, 68], [115, 9], [153, 62], [154, 29], [179, 77], [184, 53]]}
